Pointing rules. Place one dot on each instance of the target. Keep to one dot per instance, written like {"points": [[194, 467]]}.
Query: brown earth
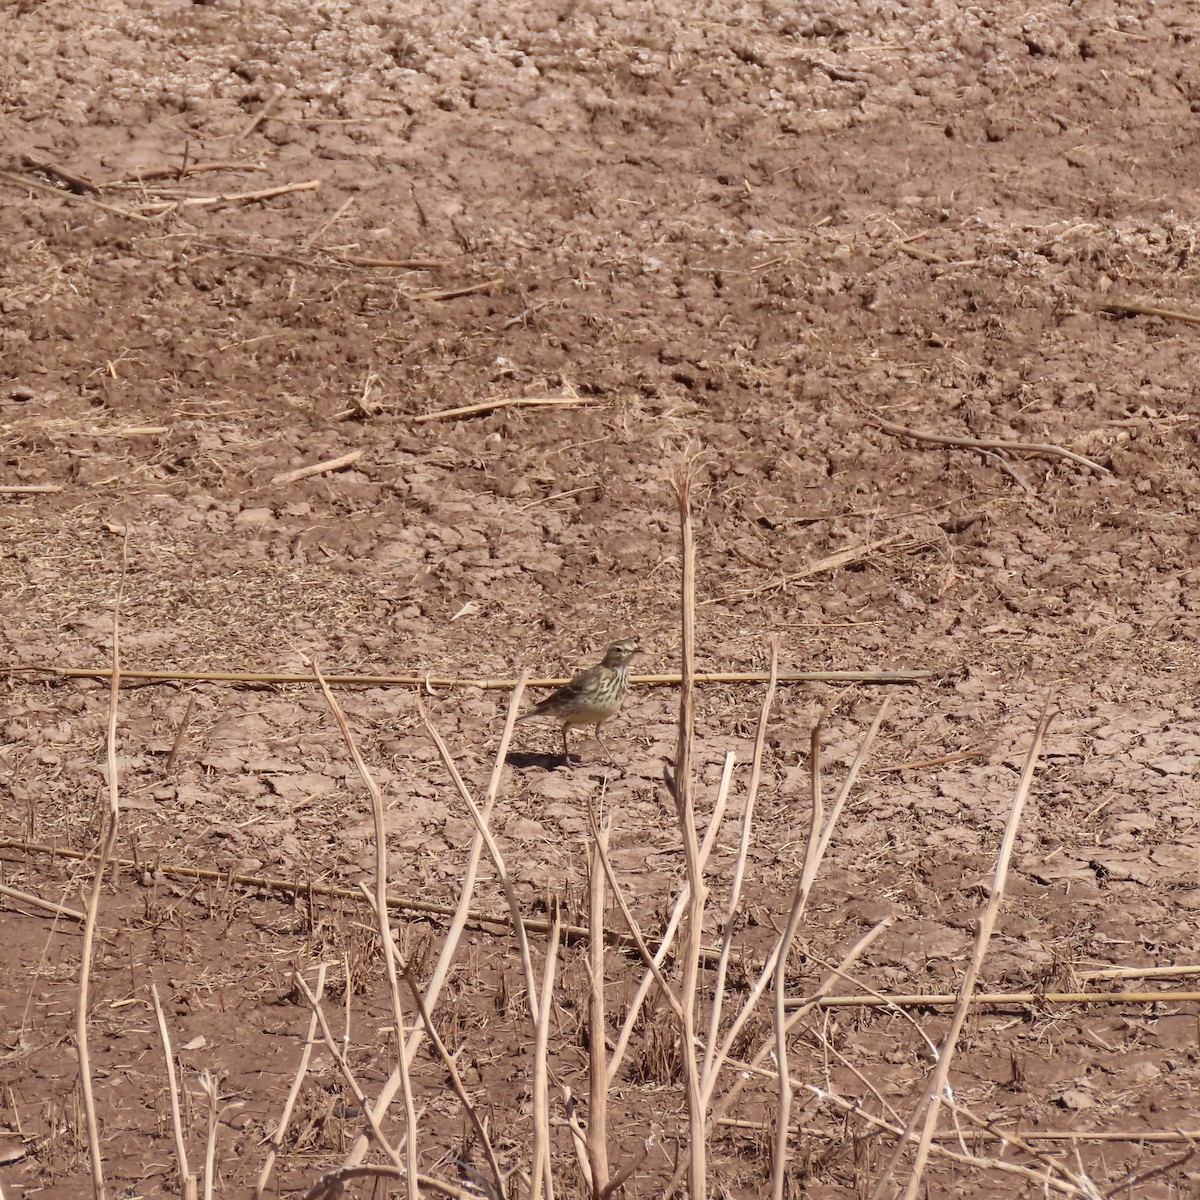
{"points": [[753, 232]]}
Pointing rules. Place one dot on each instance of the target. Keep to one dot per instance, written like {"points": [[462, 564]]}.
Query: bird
{"points": [[592, 696]]}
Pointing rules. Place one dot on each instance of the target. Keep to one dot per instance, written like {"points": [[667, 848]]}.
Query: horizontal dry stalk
{"points": [[37, 902], [1120, 308], [436, 681], [944, 1000]]}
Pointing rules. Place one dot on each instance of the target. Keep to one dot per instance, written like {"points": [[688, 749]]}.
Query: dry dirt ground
{"points": [[755, 231]]}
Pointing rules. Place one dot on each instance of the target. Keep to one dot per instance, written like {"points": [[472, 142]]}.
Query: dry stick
{"points": [[808, 873], [943, 760], [259, 117], [832, 562], [347, 204], [1150, 1136], [931, 1099], [32, 489], [681, 784], [739, 874], [107, 841], [177, 172], [455, 1080], [293, 1094], [22, 181], [493, 685], [321, 468], [158, 207], [178, 742], [309, 887], [1139, 972], [45, 905], [387, 945], [597, 1121], [1121, 309], [209, 1085], [453, 293], [403, 264], [77, 183], [1038, 449], [1003, 999], [542, 1160], [187, 1181], [470, 410]]}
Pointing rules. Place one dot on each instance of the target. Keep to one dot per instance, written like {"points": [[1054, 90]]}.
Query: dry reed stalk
{"points": [[681, 785], [308, 887], [739, 873], [930, 1101], [469, 289], [45, 905], [387, 945], [108, 839], [538, 1000], [1000, 999], [22, 181], [745, 1071], [208, 1085], [187, 1181], [1121, 308], [832, 562], [543, 1163], [597, 1120], [570, 400], [494, 685], [319, 468], [32, 489], [157, 207], [179, 735], [289, 1105], [802, 887]]}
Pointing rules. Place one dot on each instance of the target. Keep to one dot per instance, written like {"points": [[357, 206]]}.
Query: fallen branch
{"points": [[31, 489], [158, 207], [488, 685], [454, 293], [1037, 449], [300, 887], [832, 562], [321, 468], [24, 181], [402, 264], [470, 410], [182, 171], [75, 183], [1121, 308], [45, 905]]}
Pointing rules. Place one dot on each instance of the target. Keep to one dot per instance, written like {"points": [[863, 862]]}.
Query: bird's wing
{"points": [[563, 695]]}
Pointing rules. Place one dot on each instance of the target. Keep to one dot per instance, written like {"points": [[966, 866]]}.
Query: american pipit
{"points": [[592, 696]]}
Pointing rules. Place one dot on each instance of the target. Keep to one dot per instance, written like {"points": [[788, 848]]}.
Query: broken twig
{"points": [[1038, 449], [321, 468]]}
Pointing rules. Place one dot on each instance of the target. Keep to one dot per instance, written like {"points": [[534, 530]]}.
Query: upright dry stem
{"points": [[187, 1181], [597, 1121], [108, 840], [681, 784], [385, 934], [462, 914], [929, 1103]]}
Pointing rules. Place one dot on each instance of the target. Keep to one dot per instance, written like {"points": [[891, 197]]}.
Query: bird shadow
{"points": [[522, 760]]}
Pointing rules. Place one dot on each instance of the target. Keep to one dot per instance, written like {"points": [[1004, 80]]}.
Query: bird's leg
{"points": [[566, 749]]}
